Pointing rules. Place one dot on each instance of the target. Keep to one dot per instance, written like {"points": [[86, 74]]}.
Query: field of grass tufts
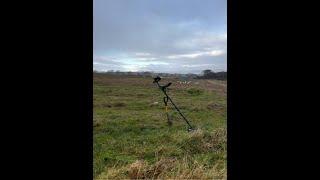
{"points": [[132, 139]]}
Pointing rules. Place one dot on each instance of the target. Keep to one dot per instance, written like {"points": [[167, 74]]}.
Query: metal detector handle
{"points": [[156, 79]]}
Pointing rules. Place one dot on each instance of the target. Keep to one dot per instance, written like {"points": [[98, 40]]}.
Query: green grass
{"points": [[127, 128]]}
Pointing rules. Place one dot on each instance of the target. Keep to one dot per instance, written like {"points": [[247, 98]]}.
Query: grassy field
{"points": [[132, 139]]}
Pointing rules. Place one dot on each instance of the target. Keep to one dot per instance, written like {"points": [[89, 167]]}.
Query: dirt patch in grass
{"points": [[119, 104], [96, 124], [215, 106], [139, 95], [106, 105]]}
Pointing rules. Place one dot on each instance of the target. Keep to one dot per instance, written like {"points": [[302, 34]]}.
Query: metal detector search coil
{"points": [[167, 98]]}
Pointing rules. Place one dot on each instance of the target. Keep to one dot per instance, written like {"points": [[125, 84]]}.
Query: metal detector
{"points": [[167, 98]]}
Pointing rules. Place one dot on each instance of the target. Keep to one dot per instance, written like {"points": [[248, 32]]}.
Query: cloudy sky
{"points": [[175, 36]]}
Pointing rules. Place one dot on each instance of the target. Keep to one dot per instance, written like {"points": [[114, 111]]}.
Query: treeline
{"points": [[206, 74], [112, 72], [209, 74], [147, 74]]}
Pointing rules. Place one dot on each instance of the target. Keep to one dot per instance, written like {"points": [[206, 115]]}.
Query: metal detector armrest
{"points": [[167, 85]]}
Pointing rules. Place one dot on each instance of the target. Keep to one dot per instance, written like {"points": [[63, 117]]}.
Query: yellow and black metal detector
{"points": [[166, 99]]}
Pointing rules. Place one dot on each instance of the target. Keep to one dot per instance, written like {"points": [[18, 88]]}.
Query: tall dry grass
{"points": [[174, 168]]}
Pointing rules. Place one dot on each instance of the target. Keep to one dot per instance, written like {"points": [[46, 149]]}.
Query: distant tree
{"points": [[209, 74], [206, 72]]}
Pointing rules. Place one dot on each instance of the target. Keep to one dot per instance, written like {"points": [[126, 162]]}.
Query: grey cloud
{"points": [[160, 29]]}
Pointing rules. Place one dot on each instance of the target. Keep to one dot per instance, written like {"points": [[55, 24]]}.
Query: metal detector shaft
{"points": [[179, 112]]}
